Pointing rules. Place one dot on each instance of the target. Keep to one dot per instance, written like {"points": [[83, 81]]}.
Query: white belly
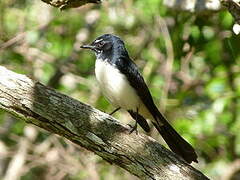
{"points": [[115, 86]]}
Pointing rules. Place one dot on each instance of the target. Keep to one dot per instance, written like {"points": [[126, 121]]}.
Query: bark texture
{"points": [[65, 4], [94, 130]]}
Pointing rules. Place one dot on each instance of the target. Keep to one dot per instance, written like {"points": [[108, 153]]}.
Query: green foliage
{"points": [[202, 98]]}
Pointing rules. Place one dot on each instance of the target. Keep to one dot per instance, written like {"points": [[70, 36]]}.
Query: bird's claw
{"points": [[133, 128]]}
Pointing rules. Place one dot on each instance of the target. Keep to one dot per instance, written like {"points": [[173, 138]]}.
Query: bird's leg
{"points": [[114, 111], [134, 128]]}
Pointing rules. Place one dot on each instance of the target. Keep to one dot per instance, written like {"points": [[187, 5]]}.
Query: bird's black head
{"points": [[106, 45]]}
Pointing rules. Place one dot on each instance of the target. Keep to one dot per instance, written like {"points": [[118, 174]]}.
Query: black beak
{"points": [[88, 47]]}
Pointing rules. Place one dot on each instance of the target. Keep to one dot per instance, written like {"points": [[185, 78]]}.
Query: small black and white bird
{"points": [[123, 85]]}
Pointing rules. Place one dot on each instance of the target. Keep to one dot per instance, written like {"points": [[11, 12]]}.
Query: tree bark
{"points": [[65, 4], [94, 130]]}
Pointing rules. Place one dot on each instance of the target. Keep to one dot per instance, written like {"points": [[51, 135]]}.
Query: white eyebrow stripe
{"points": [[98, 40]]}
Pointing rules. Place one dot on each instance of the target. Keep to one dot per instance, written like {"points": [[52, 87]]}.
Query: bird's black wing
{"points": [[176, 143], [130, 70]]}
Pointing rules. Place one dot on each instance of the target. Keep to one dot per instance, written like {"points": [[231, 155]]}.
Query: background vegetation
{"points": [[190, 62]]}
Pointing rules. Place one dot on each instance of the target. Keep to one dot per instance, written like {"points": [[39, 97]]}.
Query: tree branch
{"points": [[65, 4], [96, 131]]}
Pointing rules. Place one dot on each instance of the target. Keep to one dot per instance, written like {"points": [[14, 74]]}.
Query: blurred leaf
{"points": [[32, 37], [195, 32], [216, 87], [226, 19]]}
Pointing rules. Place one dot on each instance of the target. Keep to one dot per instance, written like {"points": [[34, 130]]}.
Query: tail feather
{"points": [[175, 142]]}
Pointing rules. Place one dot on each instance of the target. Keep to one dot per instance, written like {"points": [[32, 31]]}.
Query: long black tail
{"points": [[175, 142]]}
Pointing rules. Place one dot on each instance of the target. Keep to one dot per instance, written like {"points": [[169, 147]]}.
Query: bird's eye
{"points": [[100, 44]]}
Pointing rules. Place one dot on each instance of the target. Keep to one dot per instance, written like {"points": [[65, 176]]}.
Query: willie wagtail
{"points": [[123, 85]]}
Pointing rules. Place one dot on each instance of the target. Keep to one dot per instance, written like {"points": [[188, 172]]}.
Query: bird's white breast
{"points": [[115, 86]]}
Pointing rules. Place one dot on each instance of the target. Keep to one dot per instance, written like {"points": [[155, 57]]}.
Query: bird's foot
{"points": [[133, 128]]}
